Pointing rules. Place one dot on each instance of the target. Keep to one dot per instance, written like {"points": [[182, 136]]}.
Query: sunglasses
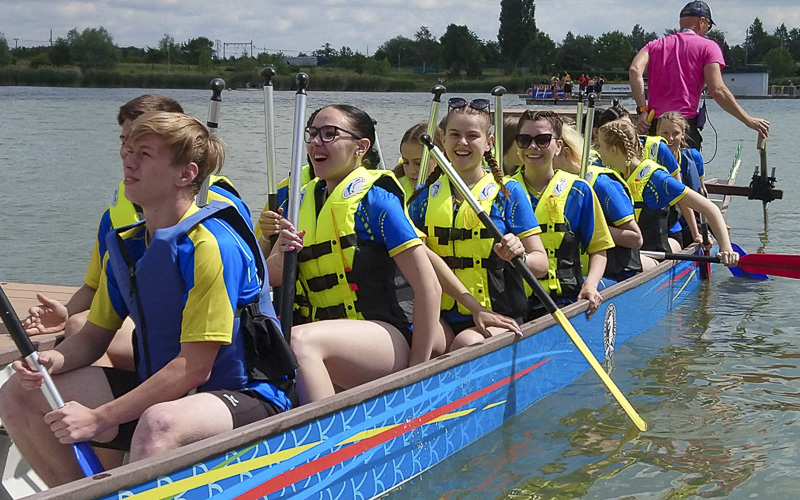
{"points": [[460, 102], [327, 133], [542, 140]]}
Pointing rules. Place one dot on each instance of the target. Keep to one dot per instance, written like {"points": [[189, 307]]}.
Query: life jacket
{"points": [[346, 276], [124, 213], [650, 146], [621, 262], [468, 249], [564, 275], [689, 171], [408, 186], [154, 290], [652, 222]]}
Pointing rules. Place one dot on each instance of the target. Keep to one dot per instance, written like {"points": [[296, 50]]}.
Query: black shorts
{"points": [[246, 406]]}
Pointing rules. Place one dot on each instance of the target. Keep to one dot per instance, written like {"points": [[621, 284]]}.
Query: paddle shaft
{"points": [[84, 454], [758, 263], [437, 91], [288, 283], [528, 276], [579, 114], [377, 145], [217, 85], [498, 93], [269, 138], [587, 139]]}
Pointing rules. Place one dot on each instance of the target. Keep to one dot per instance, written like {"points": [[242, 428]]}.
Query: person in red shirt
{"points": [[678, 65]]}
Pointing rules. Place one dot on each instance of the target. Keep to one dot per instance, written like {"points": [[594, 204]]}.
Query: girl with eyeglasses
{"points": [[455, 233], [366, 273], [568, 211], [612, 191], [653, 188]]}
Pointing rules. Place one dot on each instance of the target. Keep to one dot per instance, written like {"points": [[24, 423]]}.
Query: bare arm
{"points": [[636, 74], [419, 272], [627, 235], [453, 287], [190, 369], [723, 96], [706, 207], [597, 266]]}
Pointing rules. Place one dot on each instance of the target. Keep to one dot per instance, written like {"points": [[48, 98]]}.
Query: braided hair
{"points": [[497, 172], [622, 134]]}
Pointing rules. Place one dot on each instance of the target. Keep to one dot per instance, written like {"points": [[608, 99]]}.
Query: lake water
{"points": [[718, 381]]}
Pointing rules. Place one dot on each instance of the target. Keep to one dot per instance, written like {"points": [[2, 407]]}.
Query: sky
{"points": [[363, 25]]}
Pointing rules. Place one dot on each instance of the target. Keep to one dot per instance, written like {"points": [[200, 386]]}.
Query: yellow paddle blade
{"points": [[564, 323]]}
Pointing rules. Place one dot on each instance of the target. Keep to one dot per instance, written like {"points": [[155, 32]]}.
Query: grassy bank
{"points": [[321, 79]]}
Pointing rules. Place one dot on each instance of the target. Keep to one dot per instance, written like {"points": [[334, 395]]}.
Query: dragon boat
{"points": [[368, 440]]}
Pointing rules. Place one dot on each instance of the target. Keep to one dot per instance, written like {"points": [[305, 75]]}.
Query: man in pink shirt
{"points": [[678, 66]]}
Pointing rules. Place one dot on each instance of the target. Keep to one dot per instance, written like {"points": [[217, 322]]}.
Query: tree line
{"points": [[520, 47]]}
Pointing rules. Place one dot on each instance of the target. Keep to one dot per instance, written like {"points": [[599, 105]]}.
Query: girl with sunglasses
{"points": [[612, 191], [653, 189], [567, 209], [359, 258], [455, 233]]}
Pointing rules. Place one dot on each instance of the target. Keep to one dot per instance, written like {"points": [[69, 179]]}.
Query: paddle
{"points": [[84, 454], [741, 273], [526, 273], [217, 85], [498, 93], [775, 264], [288, 284], [579, 114], [269, 135], [437, 91], [587, 138], [381, 162]]}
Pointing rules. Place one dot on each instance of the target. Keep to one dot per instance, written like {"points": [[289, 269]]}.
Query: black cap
{"points": [[697, 9]]}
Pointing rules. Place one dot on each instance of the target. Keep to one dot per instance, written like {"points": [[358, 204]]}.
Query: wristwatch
{"points": [[642, 109]]}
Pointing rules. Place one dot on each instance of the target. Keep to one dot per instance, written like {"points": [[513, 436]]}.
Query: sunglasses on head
{"points": [[460, 102], [541, 140], [326, 133]]}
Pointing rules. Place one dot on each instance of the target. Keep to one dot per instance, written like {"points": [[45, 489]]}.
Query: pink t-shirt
{"points": [[675, 71]]}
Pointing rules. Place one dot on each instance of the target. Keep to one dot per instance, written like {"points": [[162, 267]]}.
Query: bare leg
{"points": [[471, 336], [674, 245], [23, 413], [648, 262], [172, 424], [345, 353]]}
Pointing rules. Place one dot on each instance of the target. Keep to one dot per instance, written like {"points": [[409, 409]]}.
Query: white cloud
{"points": [[304, 26]]}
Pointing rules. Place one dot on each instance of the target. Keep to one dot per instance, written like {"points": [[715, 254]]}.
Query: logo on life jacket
{"points": [[354, 187], [435, 188], [302, 196], [654, 149], [115, 197], [589, 177], [487, 191], [643, 172], [560, 186]]}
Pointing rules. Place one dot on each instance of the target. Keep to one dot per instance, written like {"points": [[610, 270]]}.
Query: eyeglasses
{"points": [[327, 133], [541, 140], [460, 102]]}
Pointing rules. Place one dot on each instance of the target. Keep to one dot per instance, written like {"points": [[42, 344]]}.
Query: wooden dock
{"points": [[23, 297]]}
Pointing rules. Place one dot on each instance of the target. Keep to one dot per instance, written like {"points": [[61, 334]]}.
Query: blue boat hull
{"points": [[360, 449]]}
